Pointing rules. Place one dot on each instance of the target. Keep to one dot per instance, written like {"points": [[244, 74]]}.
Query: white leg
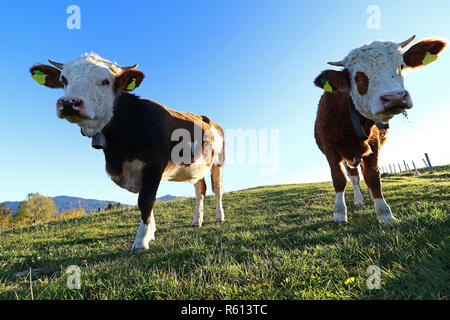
{"points": [[145, 233], [357, 193], [383, 211], [217, 175], [200, 190], [340, 209]]}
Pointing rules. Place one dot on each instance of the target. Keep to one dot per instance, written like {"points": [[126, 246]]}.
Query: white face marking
{"points": [[84, 81], [381, 62]]}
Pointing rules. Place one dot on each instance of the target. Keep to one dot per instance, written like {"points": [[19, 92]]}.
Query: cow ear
{"points": [[128, 80], [46, 75], [423, 53], [332, 80]]}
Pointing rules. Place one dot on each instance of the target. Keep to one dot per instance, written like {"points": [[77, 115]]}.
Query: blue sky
{"points": [[246, 64]]}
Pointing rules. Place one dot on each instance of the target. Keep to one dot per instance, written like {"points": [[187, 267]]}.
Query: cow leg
{"points": [[372, 178], [217, 184], [147, 197], [339, 183], [200, 191], [358, 197], [145, 234]]}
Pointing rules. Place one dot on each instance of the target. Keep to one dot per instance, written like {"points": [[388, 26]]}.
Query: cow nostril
{"points": [[385, 101], [70, 103]]}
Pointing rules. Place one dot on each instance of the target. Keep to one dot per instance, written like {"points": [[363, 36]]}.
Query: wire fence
{"points": [[404, 166]]}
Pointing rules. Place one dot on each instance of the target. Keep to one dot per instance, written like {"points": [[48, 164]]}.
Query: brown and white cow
{"points": [[354, 111], [143, 141]]}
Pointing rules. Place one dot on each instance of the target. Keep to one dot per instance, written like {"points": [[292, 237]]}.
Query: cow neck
{"points": [[98, 141], [99, 136], [355, 116]]}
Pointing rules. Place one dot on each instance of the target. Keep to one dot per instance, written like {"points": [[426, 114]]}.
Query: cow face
{"points": [[91, 85], [373, 76]]}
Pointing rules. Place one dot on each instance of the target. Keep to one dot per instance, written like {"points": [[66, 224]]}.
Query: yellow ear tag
{"points": [[326, 85], [429, 58], [132, 84], [39, 76]]}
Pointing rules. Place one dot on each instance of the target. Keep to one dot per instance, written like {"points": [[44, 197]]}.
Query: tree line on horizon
{"points": [[37, 208]]}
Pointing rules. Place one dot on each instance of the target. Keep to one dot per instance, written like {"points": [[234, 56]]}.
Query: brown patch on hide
{"points": [[362, 82]]}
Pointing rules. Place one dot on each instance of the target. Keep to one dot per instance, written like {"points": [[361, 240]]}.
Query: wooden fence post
{"points": [[430, 167], [414, 165], [426, 164], [406, 167]]}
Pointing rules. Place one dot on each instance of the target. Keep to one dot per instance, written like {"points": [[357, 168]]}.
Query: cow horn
{"points": [[57, 64], [131, 67], [337, 63], [406, 42]]}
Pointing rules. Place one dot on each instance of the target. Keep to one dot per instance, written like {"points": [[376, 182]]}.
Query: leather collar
{"points": [[354, 115]]}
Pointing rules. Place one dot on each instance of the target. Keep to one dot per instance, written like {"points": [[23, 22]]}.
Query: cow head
{"points": [[373, 75], [91, 85]]}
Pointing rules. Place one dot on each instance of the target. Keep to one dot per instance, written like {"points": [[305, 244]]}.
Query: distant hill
{"points": [[65, 203], [168, 197]]}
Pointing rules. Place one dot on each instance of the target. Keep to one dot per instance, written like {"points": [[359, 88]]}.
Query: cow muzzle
{"points": [[395, 102], [69, 107]]}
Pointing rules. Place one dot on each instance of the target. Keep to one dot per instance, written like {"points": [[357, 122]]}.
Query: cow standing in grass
{"points": [[353, 115], [143, 141]]}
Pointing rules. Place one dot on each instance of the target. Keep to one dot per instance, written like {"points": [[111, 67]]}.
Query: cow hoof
{"points": [[387, 219], [340, 217], [138, 251], [220, 221], [359, 205], [196, 226], [340, 223]]}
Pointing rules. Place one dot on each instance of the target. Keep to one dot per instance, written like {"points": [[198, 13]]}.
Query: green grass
{"points": [[278, 242]]}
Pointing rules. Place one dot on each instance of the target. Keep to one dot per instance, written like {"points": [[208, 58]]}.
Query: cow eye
{"points": [[64, 80], [356, 78], [402, 67], [105, 82]]}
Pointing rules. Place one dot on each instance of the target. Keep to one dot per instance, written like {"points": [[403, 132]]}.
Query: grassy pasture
{"points": [[278, 242]]}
